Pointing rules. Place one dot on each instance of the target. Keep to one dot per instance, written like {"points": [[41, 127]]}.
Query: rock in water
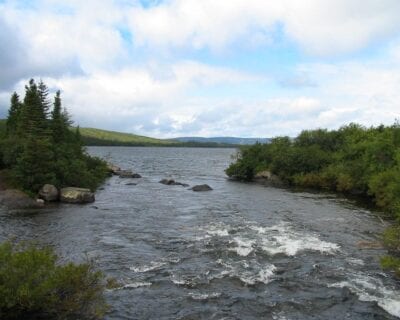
{"points": [[113, 169], [172, 182], [128, 174], [49, 193], [168, 182], [16, 199], [76, 195], [201, 187]]}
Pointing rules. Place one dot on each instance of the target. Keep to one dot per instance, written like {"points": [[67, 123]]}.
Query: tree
{"points": [[33, 116], [43, 92], [14, 114], [58, 125], [41, 148]]}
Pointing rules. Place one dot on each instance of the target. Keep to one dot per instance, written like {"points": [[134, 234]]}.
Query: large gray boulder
{"points": [[49, 193], [76, 195], [202, 187], [16, 199]]}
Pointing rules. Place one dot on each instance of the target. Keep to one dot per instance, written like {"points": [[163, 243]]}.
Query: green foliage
{"points": [[33, 285], [14, 114], [391, 238], [34, 166], [39, 147], [391, 263], [248, 160], [353, 159]]}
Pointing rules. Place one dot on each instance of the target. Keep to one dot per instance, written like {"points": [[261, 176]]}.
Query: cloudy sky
{"points": [[250, 68]]}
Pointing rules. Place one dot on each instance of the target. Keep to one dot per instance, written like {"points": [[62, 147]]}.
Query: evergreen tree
{"points": [[33, 117], [42, 149], [13, 114], [43, 92], [57, 122]]}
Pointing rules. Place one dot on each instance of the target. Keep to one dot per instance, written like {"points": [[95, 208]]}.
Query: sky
{"points": [[248, 68]]}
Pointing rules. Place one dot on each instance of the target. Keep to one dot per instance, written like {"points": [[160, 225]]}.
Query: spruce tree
{"points": [[33, 117], [43, 92], [40, 148], [13, 115], [57, 123]]}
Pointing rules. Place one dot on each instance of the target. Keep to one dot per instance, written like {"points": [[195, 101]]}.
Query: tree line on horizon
{"points": [[351, 160], [38, 146]]}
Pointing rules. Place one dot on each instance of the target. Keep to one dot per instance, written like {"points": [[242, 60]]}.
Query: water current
{"points": [[240, 251]]}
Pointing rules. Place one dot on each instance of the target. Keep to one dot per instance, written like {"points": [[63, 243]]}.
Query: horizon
{"points": [[184, 68]]}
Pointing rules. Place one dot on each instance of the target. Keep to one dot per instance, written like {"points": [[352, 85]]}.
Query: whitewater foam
{"points": [[204, 296], [249, 272], [368, 288], [135, 285], [283, 239], [243, 246], [146, 268]]}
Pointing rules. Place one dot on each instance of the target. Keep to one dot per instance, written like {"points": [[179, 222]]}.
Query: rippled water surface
{"points": [[241, 251]]}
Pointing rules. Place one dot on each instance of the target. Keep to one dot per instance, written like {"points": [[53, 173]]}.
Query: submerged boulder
{"points": [[128, 174], [172, 182], [76, 195], [49, 193], [202, 187]]}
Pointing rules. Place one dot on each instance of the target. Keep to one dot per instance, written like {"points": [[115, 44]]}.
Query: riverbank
{"points": [[353, 160]]}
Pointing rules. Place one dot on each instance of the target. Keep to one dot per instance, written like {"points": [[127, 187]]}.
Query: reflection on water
{"points": [[241, 251]]}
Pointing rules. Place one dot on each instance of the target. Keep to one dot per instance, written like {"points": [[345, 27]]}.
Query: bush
{"points": [[33, 286], [391, 263]]}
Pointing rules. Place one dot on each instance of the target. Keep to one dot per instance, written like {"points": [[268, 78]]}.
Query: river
{"points": [[240, 251]]}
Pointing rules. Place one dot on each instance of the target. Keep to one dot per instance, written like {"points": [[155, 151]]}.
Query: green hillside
{"points": [[93, 137], [98, 137]]}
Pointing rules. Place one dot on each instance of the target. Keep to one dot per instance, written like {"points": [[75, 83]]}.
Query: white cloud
{"points": [[319, 27], [140, 99], [77, 46]]}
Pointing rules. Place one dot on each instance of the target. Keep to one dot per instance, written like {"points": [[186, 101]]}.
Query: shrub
{"points": [[391, 263], [33, 285]]}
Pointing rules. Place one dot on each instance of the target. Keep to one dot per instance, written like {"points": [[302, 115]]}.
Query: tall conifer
{"points": [[13, 114]]}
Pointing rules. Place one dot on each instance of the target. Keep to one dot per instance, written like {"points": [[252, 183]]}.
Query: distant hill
{"points": [[98, 137], [224, 140]]}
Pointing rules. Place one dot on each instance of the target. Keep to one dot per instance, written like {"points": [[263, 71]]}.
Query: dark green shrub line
{"points": [[38, 147], [34, 286], [352, 160]]}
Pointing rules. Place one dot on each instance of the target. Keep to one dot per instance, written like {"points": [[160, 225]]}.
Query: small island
{"points": [[40, 151]]}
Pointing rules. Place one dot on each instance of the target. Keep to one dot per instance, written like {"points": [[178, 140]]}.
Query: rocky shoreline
{"points": [[16, 199]]}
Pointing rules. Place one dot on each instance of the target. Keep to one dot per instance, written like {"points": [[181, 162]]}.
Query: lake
{"points": [[240, 251]]}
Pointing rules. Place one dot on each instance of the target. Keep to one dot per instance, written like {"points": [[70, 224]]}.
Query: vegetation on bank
{"points": [[352, 160], [33, 285], [38, 147]]}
